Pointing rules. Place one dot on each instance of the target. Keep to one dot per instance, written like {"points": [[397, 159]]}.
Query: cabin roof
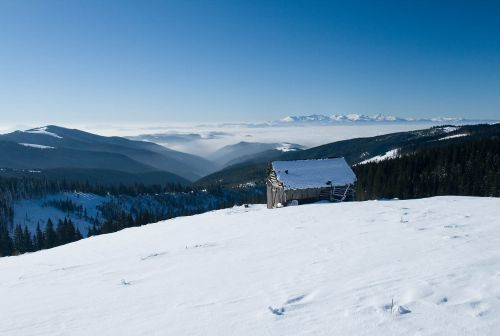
{"points": [[302, 174]]}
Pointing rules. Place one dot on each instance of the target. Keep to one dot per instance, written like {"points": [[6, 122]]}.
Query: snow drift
{"points": [[429, 267]]}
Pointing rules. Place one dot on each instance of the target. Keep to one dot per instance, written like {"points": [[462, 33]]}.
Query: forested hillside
{"points": [[125, 206], [466, 168]]}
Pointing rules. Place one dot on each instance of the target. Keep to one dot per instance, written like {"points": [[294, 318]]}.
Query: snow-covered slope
{"points": [[391, 154], [419, 267]]}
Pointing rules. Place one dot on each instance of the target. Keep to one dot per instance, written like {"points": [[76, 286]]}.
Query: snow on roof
{"points": [[303, 174]]}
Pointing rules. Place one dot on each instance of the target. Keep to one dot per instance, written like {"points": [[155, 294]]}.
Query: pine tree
{"points": [[39, 239], [28, 242], [50, 235], [6, 243], [19, 246]]}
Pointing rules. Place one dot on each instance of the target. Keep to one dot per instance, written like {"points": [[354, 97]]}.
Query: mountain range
{"points": [[352, 117], [57, 148], [61, 153], [355, 151]]}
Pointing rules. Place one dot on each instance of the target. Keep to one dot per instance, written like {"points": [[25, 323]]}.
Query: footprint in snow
{"points": [[125, 282], [481, 308], [277, 311], [393, 309], [402, 310], [443, 300], [454, 226], [152, 255], [455, 237], [290, 303], [201, 246], [295, 299]]}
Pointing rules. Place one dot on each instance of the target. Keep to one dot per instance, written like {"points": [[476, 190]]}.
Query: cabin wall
{"points": [[269, 193], [275, 195], [310, 194]]}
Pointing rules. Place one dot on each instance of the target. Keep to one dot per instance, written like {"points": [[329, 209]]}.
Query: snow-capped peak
{"points": [[42, 130], [288, 147], [354, 117], [308, 118]]}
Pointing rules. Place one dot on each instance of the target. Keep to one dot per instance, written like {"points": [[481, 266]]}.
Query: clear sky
{"points": [[151, 61]]}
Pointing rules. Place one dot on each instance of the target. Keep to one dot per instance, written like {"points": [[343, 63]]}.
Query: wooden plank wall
{"points": [[276, 193]]}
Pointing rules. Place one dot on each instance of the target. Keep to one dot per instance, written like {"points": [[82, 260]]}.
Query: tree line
{"points": [[128, 206], [22, 241], [469, 168], [18, 188]]}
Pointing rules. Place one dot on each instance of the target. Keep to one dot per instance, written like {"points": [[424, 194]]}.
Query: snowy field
{"points": [[418, 267]]}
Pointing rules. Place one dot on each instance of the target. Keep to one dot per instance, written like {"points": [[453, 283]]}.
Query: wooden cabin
{"points": [[308, 181]]}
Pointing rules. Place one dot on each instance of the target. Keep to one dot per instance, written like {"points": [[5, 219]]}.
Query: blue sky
{"points": [[199, 61]]}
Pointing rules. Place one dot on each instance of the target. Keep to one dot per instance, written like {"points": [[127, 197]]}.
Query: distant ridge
{"points": [[355, 151], [352, 117]]}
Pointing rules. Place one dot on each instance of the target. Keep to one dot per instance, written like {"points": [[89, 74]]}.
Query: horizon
{"points": [[194, 63], [205, 139], [135, 128]]}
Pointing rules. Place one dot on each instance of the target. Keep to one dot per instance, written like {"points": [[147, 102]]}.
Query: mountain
{"points": [[348, 119], [243, 151], [358, 118], [358, 268], [354, 150], [54, 147]]}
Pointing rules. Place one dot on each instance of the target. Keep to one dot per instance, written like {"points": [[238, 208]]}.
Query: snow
{"points": [[393, 153], [35, 146], [454, 136], [353, 117], [43, 130], [448, 129], [416, 267], [303, 174], [33, 212], [287, 147]]}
